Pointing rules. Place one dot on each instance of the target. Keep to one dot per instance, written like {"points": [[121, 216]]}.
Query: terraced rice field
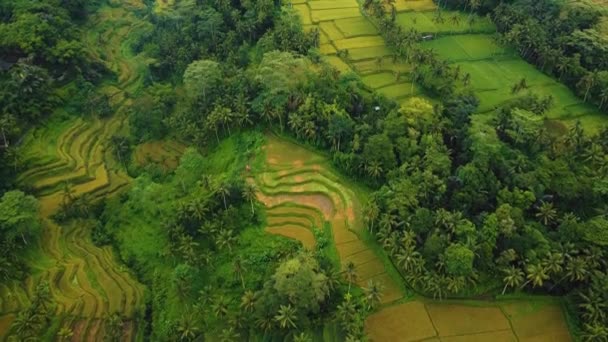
{"points": [[494, 69], [532, 320], [351, 43], [302, 194], [164, 153], [86, 282]]}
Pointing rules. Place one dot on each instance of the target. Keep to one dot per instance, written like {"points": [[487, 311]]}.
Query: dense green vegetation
{"points": [[462, 207]]}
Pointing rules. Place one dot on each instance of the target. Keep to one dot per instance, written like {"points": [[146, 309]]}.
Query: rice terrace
{"points": [[303, 170]]}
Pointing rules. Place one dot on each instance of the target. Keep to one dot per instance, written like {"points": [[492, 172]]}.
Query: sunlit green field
{"points": [[470, 43]]}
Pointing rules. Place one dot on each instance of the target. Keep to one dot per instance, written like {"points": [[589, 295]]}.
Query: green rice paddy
{"points": [[494, 69]]}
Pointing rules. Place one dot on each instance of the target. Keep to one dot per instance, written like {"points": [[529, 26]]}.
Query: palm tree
{"points": [[563, 66], [587, 82], [278, 113], [187, 249], [409, 259], [352, 338], [595, 331], [434, 284], [239, 270], [514, 277], [249, 194], [455, 19], [225, 238], [593, 306], [243, 119], [198, 209], [546, 213], [187, 328], [388, 221], [408, 238], [373, 293], [310, 130], [27, 324], [220, 306], [295, 123], [226, 117], [595, 154], [248, 301], [537, 275], [370, 214], [114, 327], [229, 335], [350, 271], [212, 122], [455, 284], [267, 112], [224, 191], [265, 323], [374, 169], [603, 166], [68, 192], [205, 295], [120, 145], [302, 337], [576, 269], [553, 263], [603, 97], [286, 316], [474, 4], [6, 122], [64, 334], [466, 79], [416, 75], [332, 279], [346, 311], [6, 268]]}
